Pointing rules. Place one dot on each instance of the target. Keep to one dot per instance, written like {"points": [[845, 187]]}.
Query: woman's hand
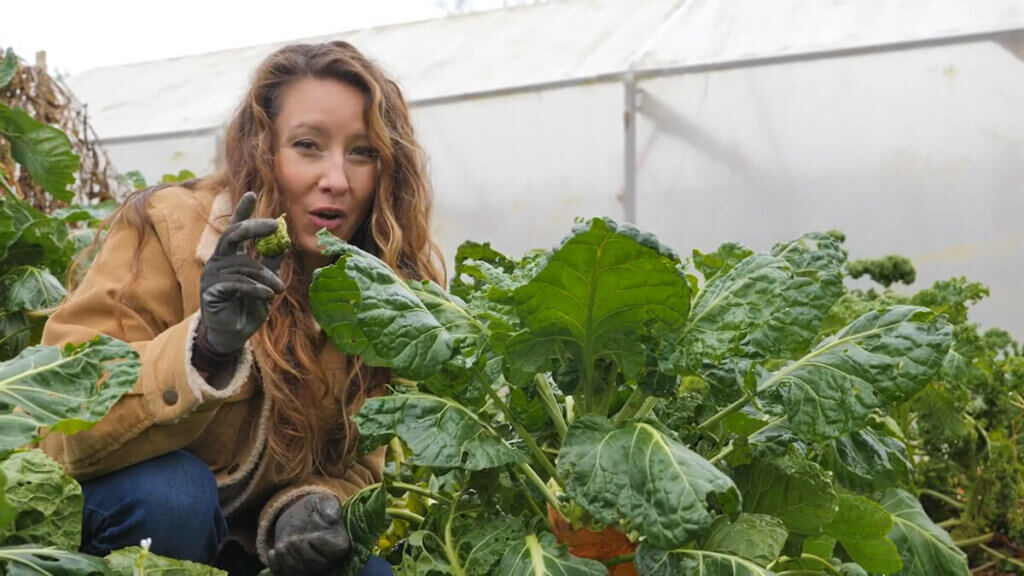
{"points": [[309, 537], [235, 289]]}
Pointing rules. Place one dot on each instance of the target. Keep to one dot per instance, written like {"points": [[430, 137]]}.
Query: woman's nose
{"points": [[334, 178]]}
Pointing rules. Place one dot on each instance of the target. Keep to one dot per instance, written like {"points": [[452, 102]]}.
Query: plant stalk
{"points": [[404, 514], [1002, 556], [728, 450], [649, 403], [542, 487], [949, 523], [419, 490], [983, 539], [941, 497], [724, 412], [630, 408], [451, 554], [538, 454], [547, 398]]}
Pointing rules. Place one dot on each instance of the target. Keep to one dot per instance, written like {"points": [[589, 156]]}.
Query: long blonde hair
{"points": [[397, 230]]}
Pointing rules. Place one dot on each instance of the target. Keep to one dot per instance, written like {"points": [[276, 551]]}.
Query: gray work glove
{"points": [[235, 289], [310, 538]]}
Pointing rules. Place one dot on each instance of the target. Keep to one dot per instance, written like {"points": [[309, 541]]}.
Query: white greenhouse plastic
{"points": [[899, 122]]}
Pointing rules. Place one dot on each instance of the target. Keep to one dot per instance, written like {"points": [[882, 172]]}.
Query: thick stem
{"points": [[538, 454], [825, 565], [630, 408], [1002, 556], [405, 382], [541, 487], [419, 490], [529, 497], [983, 539], [949, 523], [449, 552], [404, 514], [649, 403], [728, 450], [547, 398], [941, 497], [724, 412]]}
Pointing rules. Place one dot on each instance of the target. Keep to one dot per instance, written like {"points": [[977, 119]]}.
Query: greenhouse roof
{"points": [[558, 43]]}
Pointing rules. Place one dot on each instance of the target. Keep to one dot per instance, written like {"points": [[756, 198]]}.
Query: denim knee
{"points": [[171, 499]]}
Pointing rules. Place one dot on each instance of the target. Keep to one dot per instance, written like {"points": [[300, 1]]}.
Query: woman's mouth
{"points": [[326, 217]]}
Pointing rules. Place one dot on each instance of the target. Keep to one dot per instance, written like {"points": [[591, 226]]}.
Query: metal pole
{"points": [[629, 126]]}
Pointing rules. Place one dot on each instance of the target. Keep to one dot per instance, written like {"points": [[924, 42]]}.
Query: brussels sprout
{"points": [[276, 243]]}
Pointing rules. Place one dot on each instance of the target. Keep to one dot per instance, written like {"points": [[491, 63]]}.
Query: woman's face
{"points": [[324, 164]]}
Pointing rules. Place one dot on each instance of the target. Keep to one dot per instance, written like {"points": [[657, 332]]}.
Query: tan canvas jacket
{"points": [[172, 406]]}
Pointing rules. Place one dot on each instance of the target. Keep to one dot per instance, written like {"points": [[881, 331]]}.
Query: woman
{"points": [[237, 430]]}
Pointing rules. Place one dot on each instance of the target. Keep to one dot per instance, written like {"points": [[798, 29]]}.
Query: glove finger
{"points": [[328, 509], [296, 557], [259, 274], [243, 210], [273, 263], [274, 562], [235, 286], [332, 545], [232, 240]]}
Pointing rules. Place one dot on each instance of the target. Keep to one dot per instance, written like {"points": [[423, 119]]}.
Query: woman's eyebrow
{"points": [[316, 127]]}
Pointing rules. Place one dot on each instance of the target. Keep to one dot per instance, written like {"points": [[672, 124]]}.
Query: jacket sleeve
{"points": [[170, 402], [364, 472]]}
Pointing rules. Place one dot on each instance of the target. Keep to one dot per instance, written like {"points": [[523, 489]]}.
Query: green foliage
{"points": [[275, 244], [885, 271], [641, 478], [45, 386], [134, 561], [43, 150], [46, 504], [662, 401], [541, 555], [33, 560]]}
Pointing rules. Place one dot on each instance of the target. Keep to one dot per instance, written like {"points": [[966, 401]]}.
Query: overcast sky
{"points": [[79, 35]]}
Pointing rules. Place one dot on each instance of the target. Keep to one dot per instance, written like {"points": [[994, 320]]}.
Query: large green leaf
{"points": [[475, 536], [43, 150], [10, 229], [767, 305], [541, 556], [122, 563], [91, 213], [861, 527], [35, 560], [640, 478], [8, 67], [44, 243], [756, 537], [30, 288], [367, 310], [16, 331], [881, 358], [685, 562], [365, 521], [789, 487], [58, 388], [439, 432], [925, 549], [599, 295], [47, 504], [867, 460]]}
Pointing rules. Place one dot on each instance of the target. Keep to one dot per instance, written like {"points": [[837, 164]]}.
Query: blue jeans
{"points": [[171, 499]]}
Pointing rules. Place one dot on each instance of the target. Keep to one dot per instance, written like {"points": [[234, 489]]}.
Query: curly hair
{"points": [[301, 442]]}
